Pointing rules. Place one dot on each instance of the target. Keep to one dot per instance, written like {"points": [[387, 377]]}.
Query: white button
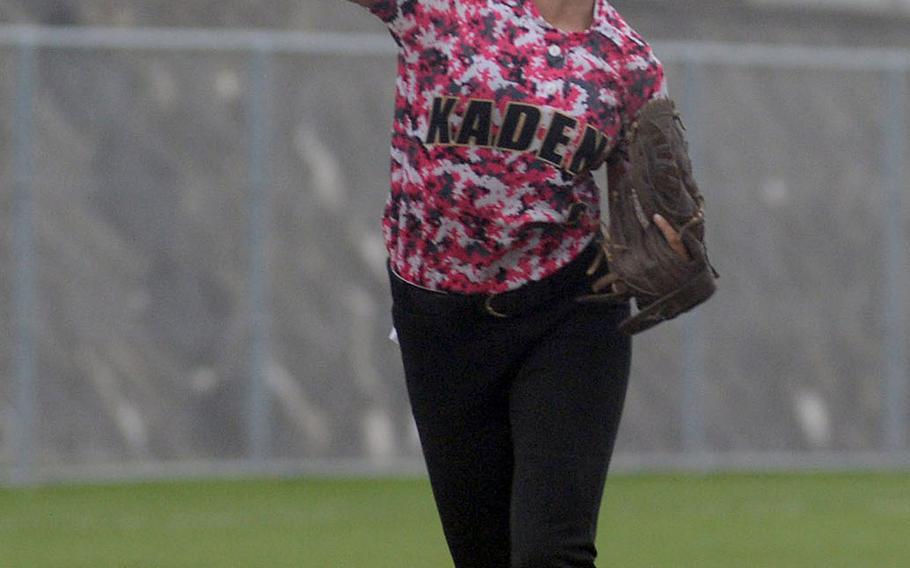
{"points": [[554, 51]]}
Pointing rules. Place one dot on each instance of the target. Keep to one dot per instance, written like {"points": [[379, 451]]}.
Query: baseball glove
{"points": [[641, 262]]}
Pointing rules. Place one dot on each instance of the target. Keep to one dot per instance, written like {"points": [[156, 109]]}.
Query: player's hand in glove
{"points": [[654, 243], [673, 238]]}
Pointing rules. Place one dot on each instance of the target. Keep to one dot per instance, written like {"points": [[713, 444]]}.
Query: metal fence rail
{"points": [[262, 47]]}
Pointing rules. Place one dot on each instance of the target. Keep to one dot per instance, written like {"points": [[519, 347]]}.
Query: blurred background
{"points": [[191, 267]]}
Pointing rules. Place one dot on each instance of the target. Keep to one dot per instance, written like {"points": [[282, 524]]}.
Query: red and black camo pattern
{"points": [[499, 120]]}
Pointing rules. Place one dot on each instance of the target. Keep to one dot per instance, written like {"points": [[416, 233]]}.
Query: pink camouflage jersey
{"points": [[499, 120]]}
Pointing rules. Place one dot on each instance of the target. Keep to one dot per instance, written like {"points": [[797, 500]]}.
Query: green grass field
{"points": [[772, 521]]}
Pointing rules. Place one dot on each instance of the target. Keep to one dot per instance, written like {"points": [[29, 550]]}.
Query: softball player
{"points": [[503, 110]]}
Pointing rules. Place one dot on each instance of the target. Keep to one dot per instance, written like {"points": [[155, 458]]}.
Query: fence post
{"points": [[23, 254], [895, 345], [693, 430], [257, 403]]}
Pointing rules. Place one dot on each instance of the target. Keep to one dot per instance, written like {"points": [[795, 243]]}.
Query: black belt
{"points": [[565, 282]]}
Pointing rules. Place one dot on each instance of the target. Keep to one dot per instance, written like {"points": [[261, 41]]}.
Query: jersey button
{"points": [[554, 50]]}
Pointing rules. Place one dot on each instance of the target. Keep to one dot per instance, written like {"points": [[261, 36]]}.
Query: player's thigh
{"points": [[568, 395]]}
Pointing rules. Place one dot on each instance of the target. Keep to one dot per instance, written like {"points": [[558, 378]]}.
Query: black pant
{"points": [[517, 416]]}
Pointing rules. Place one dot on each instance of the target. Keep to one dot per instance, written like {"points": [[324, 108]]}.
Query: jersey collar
{"points": [[606, 22]]}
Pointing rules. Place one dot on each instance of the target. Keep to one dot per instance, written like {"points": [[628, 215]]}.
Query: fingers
{"points": [[671, 235]]}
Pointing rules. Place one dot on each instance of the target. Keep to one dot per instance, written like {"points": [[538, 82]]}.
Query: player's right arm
{"points": [[400, 16]]}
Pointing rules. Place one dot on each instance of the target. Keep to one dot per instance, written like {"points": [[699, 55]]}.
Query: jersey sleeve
{"points": [[408, 19], [644, 79]]}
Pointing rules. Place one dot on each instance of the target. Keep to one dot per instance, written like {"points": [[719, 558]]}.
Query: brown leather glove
{"points": [[642, 263]]}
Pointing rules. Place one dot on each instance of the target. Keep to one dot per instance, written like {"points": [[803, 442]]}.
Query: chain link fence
{"points": [[192, 275]]}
